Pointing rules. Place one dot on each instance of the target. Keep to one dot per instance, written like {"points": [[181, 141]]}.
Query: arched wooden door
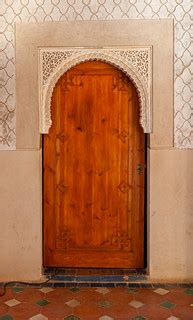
{"points": [[94, 171]]}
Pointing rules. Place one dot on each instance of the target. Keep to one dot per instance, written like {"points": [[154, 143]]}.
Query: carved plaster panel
{"points": [[64, 10], [135, 62]]}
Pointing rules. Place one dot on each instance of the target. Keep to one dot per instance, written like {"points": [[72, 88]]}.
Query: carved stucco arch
{"points": [[134, 62]]}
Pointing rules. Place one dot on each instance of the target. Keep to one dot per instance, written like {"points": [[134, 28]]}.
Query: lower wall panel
{"points": [[20, 215], [170, 218], [171, 215]]}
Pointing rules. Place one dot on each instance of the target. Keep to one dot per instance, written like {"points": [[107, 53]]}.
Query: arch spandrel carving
{"points": [[135, 62]]}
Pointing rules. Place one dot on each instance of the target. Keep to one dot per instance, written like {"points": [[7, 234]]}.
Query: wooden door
{"points": [[94, 171]]}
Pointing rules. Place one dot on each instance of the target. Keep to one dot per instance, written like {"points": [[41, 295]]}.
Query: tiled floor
{"points": [[103, 303]]}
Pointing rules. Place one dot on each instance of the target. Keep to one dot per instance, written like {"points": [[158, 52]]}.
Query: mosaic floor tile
{"points": [[161, 291], [87, 294], [132, 290], [74, 290], [87, 309], [24, 310], [6, 317], [59, 296], [30, 295], [189, 292], [12, 302], [46, 290], [179, 297], [104, 304], [73, 303], [38, 317], [3, 308], [90, 304], [136, 304], [167, 304], [151, 312], [118, 311], [103, 290], [56, 310], [17, 289], [148, 296], [72, 318], [42, 302], [119, 296], [183, 312]]}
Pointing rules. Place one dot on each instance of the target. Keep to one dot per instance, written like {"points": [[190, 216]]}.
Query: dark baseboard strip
{"points": [[129, 285]]}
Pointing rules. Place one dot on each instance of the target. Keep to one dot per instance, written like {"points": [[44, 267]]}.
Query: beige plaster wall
{"points": [[20, 215], [171, 215], [170, 219]]}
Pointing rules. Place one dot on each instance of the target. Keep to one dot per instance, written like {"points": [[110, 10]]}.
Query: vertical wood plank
{"points": [[93, 194]]}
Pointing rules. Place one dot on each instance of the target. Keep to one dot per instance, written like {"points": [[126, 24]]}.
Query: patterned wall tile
{"points": [[60, 10]]}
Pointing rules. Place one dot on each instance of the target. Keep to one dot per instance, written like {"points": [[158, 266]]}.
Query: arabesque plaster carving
{"points": [[135, 62]]}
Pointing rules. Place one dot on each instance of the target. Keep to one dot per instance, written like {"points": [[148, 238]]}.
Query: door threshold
{"points": [[95, 277]]}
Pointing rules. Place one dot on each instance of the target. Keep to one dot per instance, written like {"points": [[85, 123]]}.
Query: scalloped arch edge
{"points": [[135, 62]]}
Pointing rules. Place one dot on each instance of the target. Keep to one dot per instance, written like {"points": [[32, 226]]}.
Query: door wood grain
{"points": [[93, 159]]}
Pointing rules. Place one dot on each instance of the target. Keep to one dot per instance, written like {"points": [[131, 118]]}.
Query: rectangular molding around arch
{"points": [[70, 41]]}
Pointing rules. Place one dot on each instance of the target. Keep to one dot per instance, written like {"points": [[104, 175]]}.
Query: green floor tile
{"points": [[132, 290], [42, 302], [17, 289], [104, 304], [167, 304], [189, 292], [6, 317], [72, 318], [74, 289]]}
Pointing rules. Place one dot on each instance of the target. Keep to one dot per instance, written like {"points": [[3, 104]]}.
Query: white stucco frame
{"points": [[135, 62]]}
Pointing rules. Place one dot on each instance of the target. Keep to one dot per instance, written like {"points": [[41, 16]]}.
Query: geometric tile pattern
{"points": [[103, 290], [161, 291], [60, 10], [73, 303], [72, 318], [167, 304], [6, 317], [38, 317], [136, 304], [12, 302], [74, 289], [42, 302], [17, 289], [119, 303], [105, 318], [46, 290], [104, 303], [189, 292]]}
